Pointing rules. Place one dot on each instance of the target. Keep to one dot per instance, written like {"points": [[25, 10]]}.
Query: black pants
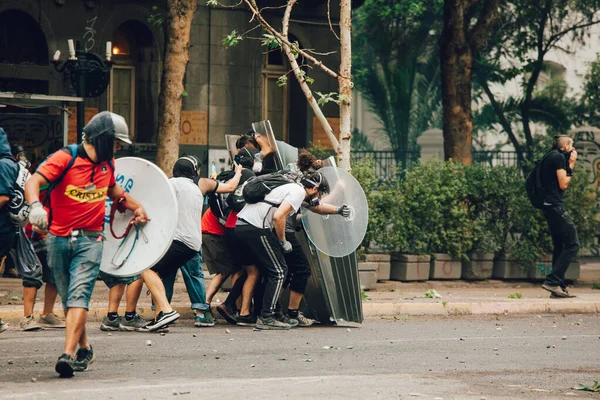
{"points": [[565, 242], [298, 265], [262, 248]]}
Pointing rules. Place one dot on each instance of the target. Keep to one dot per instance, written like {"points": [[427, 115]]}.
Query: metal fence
{"points": [[386, 163], [387, 167]]}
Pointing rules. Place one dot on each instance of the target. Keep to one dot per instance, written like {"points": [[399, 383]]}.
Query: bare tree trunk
{"points": [[178, 26], [345, 84], [456, 60], [461, 39]]}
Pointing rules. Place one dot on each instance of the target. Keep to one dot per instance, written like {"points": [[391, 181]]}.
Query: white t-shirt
{"points": [[262, 213], [189, 207]]}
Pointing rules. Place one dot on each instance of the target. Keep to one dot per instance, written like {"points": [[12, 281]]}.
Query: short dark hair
{"points": [[560, 141], [244, 140]]}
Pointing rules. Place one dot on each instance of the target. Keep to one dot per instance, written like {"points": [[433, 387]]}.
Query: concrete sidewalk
{"points": [[390, 299]]}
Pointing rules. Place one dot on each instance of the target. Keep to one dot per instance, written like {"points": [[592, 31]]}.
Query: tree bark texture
{"points": [[178, 23], [345, 84], [460, 41], [456, 60]]}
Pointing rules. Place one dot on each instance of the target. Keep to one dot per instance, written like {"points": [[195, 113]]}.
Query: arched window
{"points": [[22, 42], [284, 105]]}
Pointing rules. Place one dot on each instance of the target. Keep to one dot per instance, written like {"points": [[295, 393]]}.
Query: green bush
{"points": [[445, 207]]}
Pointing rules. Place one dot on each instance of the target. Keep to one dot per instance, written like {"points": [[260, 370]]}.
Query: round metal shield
{"points": [[146, 183], [335, 235]]}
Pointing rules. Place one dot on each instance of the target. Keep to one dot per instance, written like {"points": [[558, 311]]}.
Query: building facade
{"points": [[227, 88]]}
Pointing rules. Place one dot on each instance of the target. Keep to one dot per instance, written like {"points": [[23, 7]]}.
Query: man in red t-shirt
{"points": [[75, 222]]}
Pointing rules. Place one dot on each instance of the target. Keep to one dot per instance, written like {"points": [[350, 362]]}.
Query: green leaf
{"points": [[212, 3], [270, 42], [184, 93], [282, 80], [309, 80], [594, 388], [232, 39]]}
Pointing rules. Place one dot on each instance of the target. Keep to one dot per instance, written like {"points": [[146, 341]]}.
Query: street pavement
{"points": [[390, 299], [452, 357]]}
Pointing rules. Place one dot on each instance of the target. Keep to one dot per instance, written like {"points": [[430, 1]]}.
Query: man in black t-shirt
{"points": [[557, 169]]}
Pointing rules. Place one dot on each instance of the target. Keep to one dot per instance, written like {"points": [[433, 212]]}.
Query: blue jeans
{"points": [[193, 277], [75, 263]]}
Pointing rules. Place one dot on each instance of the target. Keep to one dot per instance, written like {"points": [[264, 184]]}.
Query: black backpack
{"points": [[255, 189], [533, 183], [217, 202]]}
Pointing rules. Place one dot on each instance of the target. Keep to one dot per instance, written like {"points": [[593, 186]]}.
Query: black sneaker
{"points": [[246, 320], [564, 295], [84, 358], [286, 319], [64, 366], [162, 319], [228, 313]]}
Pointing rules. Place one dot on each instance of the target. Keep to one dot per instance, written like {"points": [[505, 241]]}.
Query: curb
{"points": [[374, 309], [480, 308]]}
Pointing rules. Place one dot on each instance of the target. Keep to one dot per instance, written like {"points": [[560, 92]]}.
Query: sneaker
{"points": [[565, 294], [228, 313], [3, 326], [162, 319], [286, 319], [137, 324], [64, 366], [204, 319], [557, 291], [246, 320], [83, 359], [303, 321], [29, 323], [271, 324], [110, 324], [51, 321]]}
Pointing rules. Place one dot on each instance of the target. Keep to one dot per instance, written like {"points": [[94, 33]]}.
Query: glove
{"points": [[287, 246], [38, 216], [257, 167], [344, 211]]}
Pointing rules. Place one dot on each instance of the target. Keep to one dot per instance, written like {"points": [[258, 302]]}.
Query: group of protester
{"points": [[63, 205]]}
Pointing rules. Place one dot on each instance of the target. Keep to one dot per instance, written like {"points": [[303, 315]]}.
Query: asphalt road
{"points": [[533, 357]]}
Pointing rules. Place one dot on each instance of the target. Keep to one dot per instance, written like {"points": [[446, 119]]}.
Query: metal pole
{"points": [[79, 70]]}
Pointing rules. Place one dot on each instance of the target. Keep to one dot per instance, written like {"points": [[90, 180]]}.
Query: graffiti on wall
{"points": [[588, 155], [40, 134]]}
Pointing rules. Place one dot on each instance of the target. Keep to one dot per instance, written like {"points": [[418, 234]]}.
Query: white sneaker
{"points": [[29, 323]]}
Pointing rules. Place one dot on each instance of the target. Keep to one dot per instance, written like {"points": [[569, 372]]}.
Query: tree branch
{"points": [[329, 20], [284, 40], [502, 118], [556, 37], [301, 80], [488, 16]]}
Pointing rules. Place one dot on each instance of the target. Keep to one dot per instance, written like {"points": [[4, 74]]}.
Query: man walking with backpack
{"points": [[556, 172], [75, 221], [260, 231]]}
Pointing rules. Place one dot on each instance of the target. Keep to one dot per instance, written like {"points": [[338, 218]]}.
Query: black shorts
{"points": [[177, 255], [217, 256]]}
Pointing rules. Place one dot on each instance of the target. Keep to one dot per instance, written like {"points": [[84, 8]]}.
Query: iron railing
{"points": [[387, 164]]}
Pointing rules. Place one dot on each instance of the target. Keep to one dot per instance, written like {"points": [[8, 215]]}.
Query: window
{"points": [[121, 94]]}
